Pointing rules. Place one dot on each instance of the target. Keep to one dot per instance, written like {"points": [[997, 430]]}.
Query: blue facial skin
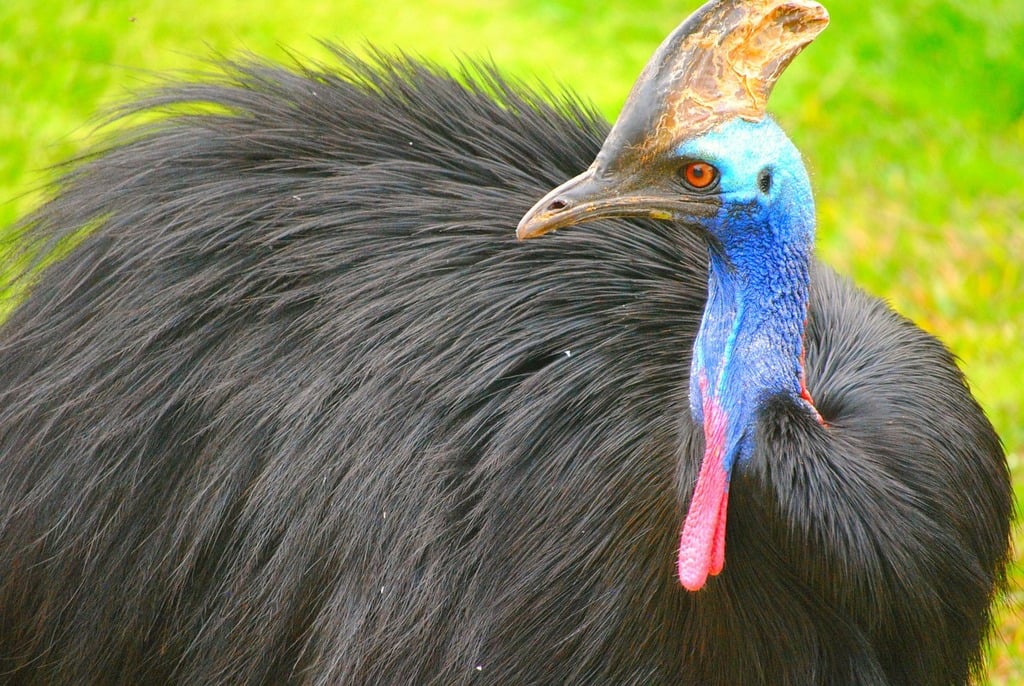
{"points": [[750, 340]]}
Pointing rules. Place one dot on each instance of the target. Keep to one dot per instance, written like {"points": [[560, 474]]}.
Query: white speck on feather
{"points": [[479, 668], [567, 353]]}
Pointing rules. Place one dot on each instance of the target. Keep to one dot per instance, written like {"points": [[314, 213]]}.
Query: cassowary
{"points": [[297, 407]]}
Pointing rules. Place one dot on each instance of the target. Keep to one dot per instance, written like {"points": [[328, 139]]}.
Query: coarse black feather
{"points": [[299, 408]]}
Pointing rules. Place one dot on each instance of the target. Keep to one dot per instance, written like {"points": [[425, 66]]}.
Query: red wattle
{"points": [[718, 549], [702, 543]]}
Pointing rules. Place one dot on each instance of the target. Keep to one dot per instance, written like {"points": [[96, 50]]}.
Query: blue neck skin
{"points": [[750, 343]]}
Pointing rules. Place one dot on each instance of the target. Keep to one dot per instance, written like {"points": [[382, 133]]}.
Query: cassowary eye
{"points": [[699, 176]]}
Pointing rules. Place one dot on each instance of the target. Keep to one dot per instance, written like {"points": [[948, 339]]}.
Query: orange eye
{"points": [[699, 175]]}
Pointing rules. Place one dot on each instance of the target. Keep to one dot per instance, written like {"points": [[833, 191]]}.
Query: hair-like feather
{"points": [[299, 408]]}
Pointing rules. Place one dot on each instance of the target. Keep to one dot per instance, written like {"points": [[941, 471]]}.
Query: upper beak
{"points": [[586, 197]]}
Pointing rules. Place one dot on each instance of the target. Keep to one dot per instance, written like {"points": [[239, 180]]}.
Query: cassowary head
{"points": [[693, 144]]}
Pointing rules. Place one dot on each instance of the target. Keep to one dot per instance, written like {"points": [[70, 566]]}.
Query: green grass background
{"points": [[911, 118]]}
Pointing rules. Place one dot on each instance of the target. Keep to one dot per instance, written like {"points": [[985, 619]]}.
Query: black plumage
{"points": [[299, 408]]}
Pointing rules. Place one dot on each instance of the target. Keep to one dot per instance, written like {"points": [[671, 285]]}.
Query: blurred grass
{"points": [[911, 118]]}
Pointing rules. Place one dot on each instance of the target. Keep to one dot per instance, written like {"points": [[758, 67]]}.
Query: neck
{"points": [[750, 343], [749, 348]]}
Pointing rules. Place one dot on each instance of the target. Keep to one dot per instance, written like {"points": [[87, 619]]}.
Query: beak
{"points": [[594, 196]]}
